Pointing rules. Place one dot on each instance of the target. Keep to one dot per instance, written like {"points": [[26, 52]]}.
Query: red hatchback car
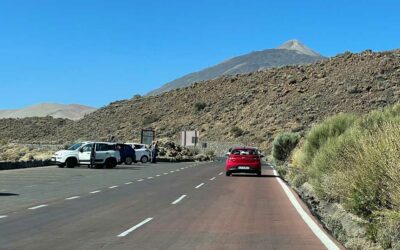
{"points": [[243, 160]]}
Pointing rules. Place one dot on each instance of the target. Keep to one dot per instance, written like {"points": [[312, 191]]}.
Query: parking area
{"points": [[25, 187]]}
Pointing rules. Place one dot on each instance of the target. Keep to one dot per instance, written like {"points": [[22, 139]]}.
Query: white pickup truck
{"points": [[79, 154]]}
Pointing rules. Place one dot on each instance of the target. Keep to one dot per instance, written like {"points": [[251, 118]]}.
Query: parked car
{"points": [[243, 160], [79, 154], [128, 154], [143, 154]]}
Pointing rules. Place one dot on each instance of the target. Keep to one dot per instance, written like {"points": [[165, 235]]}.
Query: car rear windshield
{"points": [[244, 151]]}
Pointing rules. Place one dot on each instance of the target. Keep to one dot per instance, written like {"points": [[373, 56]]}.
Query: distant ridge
{"points": [[292, 52], [71, 111]]}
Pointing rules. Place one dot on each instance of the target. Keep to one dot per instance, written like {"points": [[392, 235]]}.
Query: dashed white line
{"points": [[72, 198], [128, 183], [112, 187], [140, 180], [171, 171], [95, 192], [212, 179], [40, 206], [179, 199], [158, 175], [323, 237], [165, 173], [3, 216], [182, 168], [220, 173], [149, 177], [198, 186], [130, 230]]}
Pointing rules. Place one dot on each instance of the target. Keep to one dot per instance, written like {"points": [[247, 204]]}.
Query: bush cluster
{"points": [[283, 145], [356, 161], [236, 131]]}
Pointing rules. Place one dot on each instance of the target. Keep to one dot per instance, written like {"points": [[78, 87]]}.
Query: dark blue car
{"points": [[127, 154]]}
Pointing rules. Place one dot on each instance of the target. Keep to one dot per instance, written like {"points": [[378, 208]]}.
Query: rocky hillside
{"points": [[70, 111], [292, 52], [246, 107]]}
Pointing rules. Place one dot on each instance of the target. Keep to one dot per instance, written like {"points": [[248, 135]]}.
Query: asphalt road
{"points": [[162, 206]]}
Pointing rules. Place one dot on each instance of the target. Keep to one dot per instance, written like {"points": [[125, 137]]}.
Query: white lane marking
{"points": [[95, 192], [177, 169], [179, 199], [127, 183], [212, 179], [72, 198], [165, 173], [220, 173], [322, 236], [198, 186], [40, 206], [158, 175], [149, 177], [140, 180], [171, 171], [3, 216], [112, 187], [130, 230], [182, 168]]}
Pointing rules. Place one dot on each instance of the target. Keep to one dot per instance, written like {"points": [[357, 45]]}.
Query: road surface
{"points": [[163, 206]]}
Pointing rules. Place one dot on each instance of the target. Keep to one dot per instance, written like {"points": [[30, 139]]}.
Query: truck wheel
{"points": [[111, 163], [70, 163], [144, 159], [128, 160]]}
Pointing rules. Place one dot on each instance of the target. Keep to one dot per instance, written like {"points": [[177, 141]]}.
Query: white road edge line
{"points": [[130, 230], [212, 179], [322, 236], [178, 200], [3, 216], [112, 187], [199, 186], [127, 183], [72, 198], [95, 192], [40, 206]]}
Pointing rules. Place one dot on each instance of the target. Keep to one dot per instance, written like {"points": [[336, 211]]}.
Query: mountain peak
{"points": [[295, 44]]}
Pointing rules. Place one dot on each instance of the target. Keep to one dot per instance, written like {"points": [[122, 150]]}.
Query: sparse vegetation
{"points": [[150, 119], [236, 131], [199, 106]]}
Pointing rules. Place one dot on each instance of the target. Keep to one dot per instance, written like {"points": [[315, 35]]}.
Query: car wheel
{"points": [[61, 165], [259, 173], [111, 163], [70, 163], [128, 160], [228, 173], [144, 159]]}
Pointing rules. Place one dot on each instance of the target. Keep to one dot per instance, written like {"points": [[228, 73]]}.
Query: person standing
{"points": [[93, 156], [154, 151]]}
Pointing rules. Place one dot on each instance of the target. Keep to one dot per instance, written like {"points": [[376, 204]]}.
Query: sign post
{"points": [[147, 136]]}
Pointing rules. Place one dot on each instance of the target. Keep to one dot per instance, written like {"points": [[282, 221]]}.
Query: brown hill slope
{"points": [[261, 104]]}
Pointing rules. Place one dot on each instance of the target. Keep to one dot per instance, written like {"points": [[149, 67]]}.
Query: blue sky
{"points": [[94, 52]]}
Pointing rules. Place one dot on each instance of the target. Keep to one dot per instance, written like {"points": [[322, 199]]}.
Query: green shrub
{"points": [[199, 106], [236, 131], [147, 120], [283, 145]]}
